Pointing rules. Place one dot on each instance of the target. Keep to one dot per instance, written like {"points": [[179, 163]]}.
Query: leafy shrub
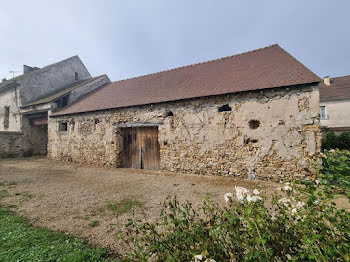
{"points": [[335, 172], [332, 141], [246, 230]]}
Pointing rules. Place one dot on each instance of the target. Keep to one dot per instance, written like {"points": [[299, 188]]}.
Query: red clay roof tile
{"points": [[268, 67], [338, 90]]}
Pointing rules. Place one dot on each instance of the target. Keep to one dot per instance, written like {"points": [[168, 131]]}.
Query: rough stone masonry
{"points": [[267, 134]]}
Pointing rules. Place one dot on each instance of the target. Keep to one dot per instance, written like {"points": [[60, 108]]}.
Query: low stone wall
{"points": [[270, 134], [14, 144]]}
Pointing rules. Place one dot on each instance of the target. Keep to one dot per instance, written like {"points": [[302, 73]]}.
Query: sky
{"points": [[128, 38]]}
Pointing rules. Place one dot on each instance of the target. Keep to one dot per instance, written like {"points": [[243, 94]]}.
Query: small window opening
{"points": [[282, 122], [6, 117], [254, 124], [62, 102], [323, 112], [63, 126], [76, 76], [248, 140], [96, 121], [169, 113], [224, 108]]}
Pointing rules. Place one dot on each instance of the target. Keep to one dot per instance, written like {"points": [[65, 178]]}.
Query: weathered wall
{"points": [[10, 98], [14, 144], [199, 139], [38, 139], [51, 80], [338, 113]]}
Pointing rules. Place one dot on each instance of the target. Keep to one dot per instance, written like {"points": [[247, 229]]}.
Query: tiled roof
{"points": [[268, 67], [338, 90], [64, 91]]}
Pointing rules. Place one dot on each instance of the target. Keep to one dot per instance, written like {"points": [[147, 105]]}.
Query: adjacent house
{"points": [[26, 102], [251, 115], [335, 104]]}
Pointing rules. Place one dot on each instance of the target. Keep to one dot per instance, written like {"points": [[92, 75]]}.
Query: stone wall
{"points": [[270, 134], [14, 144]]}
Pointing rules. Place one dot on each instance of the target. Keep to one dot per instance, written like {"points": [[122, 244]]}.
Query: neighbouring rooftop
{"points": [[263, 68], [28, 72], [337, 89], [66, 90]]}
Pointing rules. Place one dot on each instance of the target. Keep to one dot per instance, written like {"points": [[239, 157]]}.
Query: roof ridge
{"points": [[337, 77], [195, 64]]}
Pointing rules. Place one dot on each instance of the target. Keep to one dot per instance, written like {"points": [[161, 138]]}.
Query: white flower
{"points": [[287, 188], [316, 202], [284, 201], [253, 198], [294, 210], [198, 258], [289, 257], [241, 193], [300, 204], [228, 197], [256, 192], [317, 181]]}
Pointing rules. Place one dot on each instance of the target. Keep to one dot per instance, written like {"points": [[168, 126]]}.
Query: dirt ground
{"points": [[69, 197]]}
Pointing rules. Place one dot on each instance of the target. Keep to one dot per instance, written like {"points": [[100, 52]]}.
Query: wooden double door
{"points": [[140, 148]]}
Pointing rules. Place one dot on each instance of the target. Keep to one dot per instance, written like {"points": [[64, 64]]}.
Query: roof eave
{"points": [[112, 108]]}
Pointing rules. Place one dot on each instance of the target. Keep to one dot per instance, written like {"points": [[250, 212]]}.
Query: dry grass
{"points": [[94, 203]]}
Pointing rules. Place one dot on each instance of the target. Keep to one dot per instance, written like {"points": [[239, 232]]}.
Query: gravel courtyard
{"points": [[83, 201]]}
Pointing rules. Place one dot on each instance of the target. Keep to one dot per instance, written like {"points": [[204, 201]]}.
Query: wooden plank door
{"points": [[140, 148], [150, 158], [131, 157]]}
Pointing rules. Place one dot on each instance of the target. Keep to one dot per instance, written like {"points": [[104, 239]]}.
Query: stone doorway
{"points": [[140, 148]]}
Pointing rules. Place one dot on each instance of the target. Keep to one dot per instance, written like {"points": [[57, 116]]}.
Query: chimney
{"points": [[327, 80], [28, 69]]}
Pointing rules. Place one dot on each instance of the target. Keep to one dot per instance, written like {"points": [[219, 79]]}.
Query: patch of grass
{"points": [[3, 193], [94, 223], [22, 242], [123, 206], [11, 183]]}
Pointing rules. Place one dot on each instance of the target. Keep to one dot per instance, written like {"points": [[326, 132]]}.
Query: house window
{"points": [[63, 126], [6, 117], [62, 102], [76, 76], [323, 112]]}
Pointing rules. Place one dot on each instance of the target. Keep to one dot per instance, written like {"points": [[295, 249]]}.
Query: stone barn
{"points": [[252, 115]]}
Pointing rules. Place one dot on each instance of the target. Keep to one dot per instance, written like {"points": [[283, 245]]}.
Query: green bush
{"points": [[247, 230], [335, 172], [332, 141]]}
